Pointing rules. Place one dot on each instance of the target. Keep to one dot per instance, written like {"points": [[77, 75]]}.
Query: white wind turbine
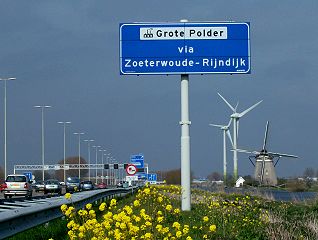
{"points": [[226, 131], [236, 117]]}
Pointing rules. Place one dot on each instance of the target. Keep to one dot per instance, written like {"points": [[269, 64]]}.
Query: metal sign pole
{"points": [[185, 144]]}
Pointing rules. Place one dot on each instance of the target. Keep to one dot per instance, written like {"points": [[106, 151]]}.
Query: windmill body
{"points": [[264, 171]]}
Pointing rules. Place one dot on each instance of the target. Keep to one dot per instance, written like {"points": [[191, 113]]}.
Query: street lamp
{"points": [[112, 159], [64, 151], [5, 122], [42, 107], [96, 150], [89, 156], [102, 162], [79, 153]]}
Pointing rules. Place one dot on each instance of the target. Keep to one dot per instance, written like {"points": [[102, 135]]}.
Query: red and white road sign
{"points": [[131, 169]]}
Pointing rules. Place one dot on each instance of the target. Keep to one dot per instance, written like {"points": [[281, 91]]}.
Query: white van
{"points": [[17, 185]]}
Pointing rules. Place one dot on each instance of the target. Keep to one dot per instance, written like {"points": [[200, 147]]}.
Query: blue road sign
{"points": [[28, 175], [152, 177], [184, 48], [141, 175], [137, 160]]}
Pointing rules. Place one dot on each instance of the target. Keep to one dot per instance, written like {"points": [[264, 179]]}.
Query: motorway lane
{"points": [[35, 194]]}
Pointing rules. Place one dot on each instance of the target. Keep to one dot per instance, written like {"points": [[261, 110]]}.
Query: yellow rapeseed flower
{"points": [[177, 211], [169, 207], [68, 195], [64, 208], [178, 234], [123, 226], [92, 213], [176, 225], [136, 203], [147, 191], [88, 206], [102, 207], [113, 202], [160, 219], [82, 213], [205, 218], [212, 228], [148, 236]]}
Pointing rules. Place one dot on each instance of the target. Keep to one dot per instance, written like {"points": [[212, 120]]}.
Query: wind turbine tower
{"points": [[236, 117], [226, 131]]}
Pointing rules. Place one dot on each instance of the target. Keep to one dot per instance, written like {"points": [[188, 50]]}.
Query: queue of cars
{"points": [[21, 185]]}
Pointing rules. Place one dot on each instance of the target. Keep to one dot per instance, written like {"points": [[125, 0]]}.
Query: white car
{"points": [[17, 185], [52, 186]]}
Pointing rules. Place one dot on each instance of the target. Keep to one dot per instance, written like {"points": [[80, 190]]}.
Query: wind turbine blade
{"points": [[236, 105], [265, 136], [229, 136], [216, 125], [249, 109], [282, 155], [228, 125], [233, 109]]}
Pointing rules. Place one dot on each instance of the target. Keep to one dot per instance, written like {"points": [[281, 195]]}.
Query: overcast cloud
{"points": [[66, 54]]}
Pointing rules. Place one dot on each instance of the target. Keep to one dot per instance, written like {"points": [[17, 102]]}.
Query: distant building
{"points": [[201, 180], [239, 182]]}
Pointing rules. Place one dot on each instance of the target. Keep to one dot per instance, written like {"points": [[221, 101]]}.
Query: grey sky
{"points": [[66, 54]]}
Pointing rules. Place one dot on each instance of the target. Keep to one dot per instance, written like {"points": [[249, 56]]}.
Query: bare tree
{"points": [[214, 176], [72, 172], [309, 172], [2, 177], [38, 175]]}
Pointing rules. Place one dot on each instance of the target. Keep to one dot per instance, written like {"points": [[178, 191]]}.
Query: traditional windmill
{"points": [[264, 165]]}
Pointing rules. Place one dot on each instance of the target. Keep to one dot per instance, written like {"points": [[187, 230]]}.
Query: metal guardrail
{"points": [[20, 219]]}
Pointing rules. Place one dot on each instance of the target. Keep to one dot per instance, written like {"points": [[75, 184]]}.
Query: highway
{"points": [[18, 213]]}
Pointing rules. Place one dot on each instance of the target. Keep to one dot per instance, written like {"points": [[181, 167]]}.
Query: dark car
{"points": [[101, 185], [52, 186], [73, 184], [87, 185], [39, 186], [119, 185]]}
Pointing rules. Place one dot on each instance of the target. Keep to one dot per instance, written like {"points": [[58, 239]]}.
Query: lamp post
{"points": [[64, 148], [5, 122], [89, 156], [42, 107], [101, 150], [96, 150], [114, 173], [79, 152]]}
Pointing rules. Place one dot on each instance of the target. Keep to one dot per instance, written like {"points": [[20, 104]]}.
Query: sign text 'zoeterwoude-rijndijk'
{"points": [[184, 48]]}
